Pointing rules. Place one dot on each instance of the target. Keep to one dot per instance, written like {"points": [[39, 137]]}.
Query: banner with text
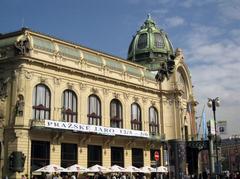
{"points": [[76, 127]]}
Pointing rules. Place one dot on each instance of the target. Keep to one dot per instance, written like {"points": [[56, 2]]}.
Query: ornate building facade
{"points": [[63, 103]]}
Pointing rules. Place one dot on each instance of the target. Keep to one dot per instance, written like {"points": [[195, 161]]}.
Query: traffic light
{"points": [[16, 161]]}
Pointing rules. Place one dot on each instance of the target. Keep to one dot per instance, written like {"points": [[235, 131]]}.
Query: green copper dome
{"points": [[150, 46]]}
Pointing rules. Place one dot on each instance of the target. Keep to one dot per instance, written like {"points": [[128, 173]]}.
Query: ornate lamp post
{"points": [[213, 103]]}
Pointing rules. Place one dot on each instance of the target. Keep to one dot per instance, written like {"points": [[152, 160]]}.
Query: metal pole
{"points": [[211, 156], [216, 142]]}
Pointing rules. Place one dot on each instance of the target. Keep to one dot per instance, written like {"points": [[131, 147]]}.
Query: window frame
{"points": [[154, 125], [140, 43], [38, 109], [136, 124], [69, 154], [116, 121], [94, 118], [69, 114]]}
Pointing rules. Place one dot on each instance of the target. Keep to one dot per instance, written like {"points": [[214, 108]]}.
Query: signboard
{"points": [[76, 127], [212, 126], [222, 126], [156, 155]]}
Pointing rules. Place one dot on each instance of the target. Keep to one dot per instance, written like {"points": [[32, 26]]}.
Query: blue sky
{"points": [[208, 31]]}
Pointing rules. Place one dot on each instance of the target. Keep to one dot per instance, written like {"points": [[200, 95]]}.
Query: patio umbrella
{"points": [[132, 169], [116, 168], [147, 169], [76, 168], [51, 168], [97, 168], [162, 169]]}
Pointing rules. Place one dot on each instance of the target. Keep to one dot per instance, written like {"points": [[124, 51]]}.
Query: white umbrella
{"points": [[51, 168], [162, 169], [133, 169], [97, 168], [147, 169], [116, 168], [76, 168]]}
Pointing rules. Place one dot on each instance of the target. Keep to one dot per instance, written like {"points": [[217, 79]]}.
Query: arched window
{"points": [[94, 110], [69, 106], [41, 102], [182, 85], [158, 40], [142, 41], [136, 121], [116, 114], [153, 121]]}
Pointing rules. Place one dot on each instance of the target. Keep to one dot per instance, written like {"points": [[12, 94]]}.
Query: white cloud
{"points": [[230, 9], [215, 70], [175, 21]]}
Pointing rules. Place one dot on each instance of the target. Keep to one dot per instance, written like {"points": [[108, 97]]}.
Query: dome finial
{"points": [[149, 16]]}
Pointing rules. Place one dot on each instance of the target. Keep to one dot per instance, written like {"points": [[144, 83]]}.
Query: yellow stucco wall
{"points": [[59, 73]]}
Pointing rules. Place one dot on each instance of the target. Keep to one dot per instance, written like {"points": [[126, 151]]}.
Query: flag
{"points": [[204, 124]]}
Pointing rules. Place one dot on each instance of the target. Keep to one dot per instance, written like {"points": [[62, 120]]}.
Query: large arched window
{"points": [[182, 85], [142, 41], [158, 40], [41, 101], [136, 121], [94, 110], [116, 114], [153, 121], [69, 106]]}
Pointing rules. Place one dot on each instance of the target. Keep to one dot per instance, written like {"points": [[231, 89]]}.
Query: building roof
{"points": [[150, 46]]}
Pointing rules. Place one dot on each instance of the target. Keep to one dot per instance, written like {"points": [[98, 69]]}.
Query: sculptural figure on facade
{"points": [[22, 47], [20, 105]]}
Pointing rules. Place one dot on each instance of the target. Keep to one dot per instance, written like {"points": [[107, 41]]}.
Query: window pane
{"points": [[94, 155], [40, 154], [158, 40], [68, 154], [142, 41], [137, 157], [94, 115]]}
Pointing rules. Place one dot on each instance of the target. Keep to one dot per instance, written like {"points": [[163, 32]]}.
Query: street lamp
{"points": [[213, 103]]}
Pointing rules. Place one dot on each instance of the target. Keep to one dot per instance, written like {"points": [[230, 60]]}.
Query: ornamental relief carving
{"points": [[82, 85], [94, 90], [144, 99], [116, 95], [135, 99], [105, 91], [43, 79], [153, 103], [28, 75], [70, 85], [57, 81], [126, 96]]}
